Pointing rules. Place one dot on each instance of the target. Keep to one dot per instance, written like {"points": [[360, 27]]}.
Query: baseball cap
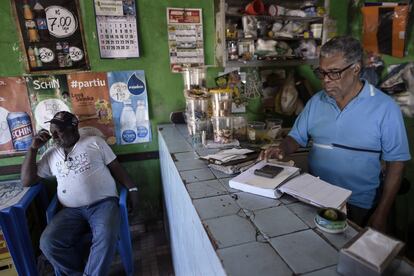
{"points": [[64, 119]]}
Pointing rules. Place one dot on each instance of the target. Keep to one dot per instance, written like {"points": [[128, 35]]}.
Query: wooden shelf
{"points": [[280, 18], [273, 63]]}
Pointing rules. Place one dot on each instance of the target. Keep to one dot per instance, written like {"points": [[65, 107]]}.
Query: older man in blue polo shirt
{"points": [[351, 127]]}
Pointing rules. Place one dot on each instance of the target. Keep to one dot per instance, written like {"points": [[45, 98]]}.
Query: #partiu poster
{"points": [[48, 94], [91, 103], [16, 122], [128, 94]]}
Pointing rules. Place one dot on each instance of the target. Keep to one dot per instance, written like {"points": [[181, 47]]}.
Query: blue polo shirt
{"points": [[347, 145]]}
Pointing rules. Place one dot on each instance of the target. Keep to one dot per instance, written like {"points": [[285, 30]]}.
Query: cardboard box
{"points": [[353, 264]]}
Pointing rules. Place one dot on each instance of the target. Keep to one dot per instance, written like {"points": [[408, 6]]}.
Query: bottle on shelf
{"points": [[128, 124], [37, 56], [32, 33], [59, 54], [27, 11], [40, 18], [31, 56]]}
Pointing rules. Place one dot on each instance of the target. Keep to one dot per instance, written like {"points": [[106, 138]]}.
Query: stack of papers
{"points": [[232, 161], [251, 183], [225, 156]]}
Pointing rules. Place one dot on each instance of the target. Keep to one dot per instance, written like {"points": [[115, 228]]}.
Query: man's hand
{"points": [[133, 198], [272, 152], [40, 139], [378, 221]]}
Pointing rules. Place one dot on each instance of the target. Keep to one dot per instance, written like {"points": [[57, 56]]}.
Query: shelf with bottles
{"points": [[289, 36]]}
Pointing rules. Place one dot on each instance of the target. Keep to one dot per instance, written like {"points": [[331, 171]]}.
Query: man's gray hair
{"points": [[347, 45]]}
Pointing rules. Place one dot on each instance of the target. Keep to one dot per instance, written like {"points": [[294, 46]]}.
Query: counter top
{"points": [[237, 233]]}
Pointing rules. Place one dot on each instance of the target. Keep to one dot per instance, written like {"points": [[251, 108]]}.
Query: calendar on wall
{"points": [[116, 25]]}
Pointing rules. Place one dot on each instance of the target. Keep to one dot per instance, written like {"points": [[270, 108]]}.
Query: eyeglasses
{"points": [[332, 75]]}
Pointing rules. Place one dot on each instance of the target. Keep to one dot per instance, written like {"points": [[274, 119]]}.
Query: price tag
{"points": [[60, 21], [75, 53], [46, 55], [119, 92]]}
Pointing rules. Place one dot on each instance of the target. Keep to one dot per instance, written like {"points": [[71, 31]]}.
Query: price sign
{"points": [[60, 21], [46, 55], [119, 92], [75, 53]]}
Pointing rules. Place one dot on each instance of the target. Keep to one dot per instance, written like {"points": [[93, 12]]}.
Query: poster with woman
{"points": [[16, 120], [90, 102], [51, 35]]}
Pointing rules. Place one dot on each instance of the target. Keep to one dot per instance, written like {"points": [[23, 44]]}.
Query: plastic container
{"points": [[274, 128], [222, 129], [331, 220], [221, 100], [196, 108], [194, 78], [239, 128], [316, 30], [256, 132]]}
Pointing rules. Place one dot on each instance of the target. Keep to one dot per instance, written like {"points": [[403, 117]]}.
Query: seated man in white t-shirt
{"points": [[86, 170]]}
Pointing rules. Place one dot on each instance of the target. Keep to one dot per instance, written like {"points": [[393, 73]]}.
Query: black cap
{"points": [[64, 119]]}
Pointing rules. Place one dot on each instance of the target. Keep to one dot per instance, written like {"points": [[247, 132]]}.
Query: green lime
{"points": [[330, 214]]}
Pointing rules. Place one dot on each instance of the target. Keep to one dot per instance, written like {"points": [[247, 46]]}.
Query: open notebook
{"points": [[315, 191], [304, 187], [247, 181]]}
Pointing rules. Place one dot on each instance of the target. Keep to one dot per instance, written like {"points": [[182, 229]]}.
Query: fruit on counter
{"points": [[330, 214]]}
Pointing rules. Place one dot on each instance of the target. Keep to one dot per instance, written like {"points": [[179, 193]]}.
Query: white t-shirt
{"points": [[84, 177]]}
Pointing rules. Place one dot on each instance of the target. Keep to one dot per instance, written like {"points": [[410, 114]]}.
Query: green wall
{"points": [[164, 88]]}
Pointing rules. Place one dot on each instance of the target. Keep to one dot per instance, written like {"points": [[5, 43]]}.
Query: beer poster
{"points": [[16, 121], [116, 24], [51, 35], [90, 102], [129, 99], [48, 94]]}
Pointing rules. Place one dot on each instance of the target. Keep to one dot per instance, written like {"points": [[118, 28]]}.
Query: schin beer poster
{"points": [[48, 95], [128, 94], [51, 34], [15, 128], [90, 102]]}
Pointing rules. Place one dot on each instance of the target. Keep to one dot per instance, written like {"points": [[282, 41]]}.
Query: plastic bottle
{"points": [[27, 10], [128, 124], [40, 17], [32, 32], [32, 57], [142, 122], [37, 57]]}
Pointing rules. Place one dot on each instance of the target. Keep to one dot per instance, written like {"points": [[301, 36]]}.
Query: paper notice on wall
{"points": [[129, 100], [16, 120], [91, 103], [185, 38], [48, 95]]}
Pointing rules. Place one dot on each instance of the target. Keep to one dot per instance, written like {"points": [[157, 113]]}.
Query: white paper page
{"points": [[248, 177], [373, 247], [316, 191]]}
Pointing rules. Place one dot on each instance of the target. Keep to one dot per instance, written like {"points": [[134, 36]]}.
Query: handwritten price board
{"points": [[60, 21], [51, 35]]}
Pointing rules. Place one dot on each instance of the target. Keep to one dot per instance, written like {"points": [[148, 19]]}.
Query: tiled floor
{"points": [[152, 255], [151, 250]]}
